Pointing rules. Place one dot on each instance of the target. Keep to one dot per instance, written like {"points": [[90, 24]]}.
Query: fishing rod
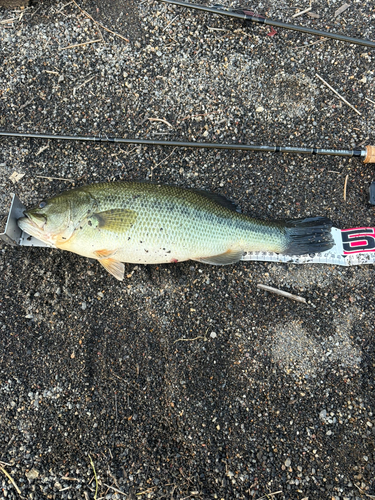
{"points": [[367, 154], [244, 14]]}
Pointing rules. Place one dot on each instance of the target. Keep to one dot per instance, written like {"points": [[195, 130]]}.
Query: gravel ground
{"points": [[186, 381]]}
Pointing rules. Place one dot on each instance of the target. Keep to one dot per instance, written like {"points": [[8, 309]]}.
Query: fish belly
{"points": [[156, 239], [163, 241]]}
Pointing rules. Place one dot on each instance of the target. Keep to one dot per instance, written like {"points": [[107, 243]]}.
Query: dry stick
{"points": [[80, 44], [96, 479], [55, 179], [338, 95], [10, 479], [165, 159], [160, 120], [98, 23], [43, 148], [309, 45], [63, 7], [282, 293], [270, 495], [302, 12], [149, 490], [345, 184], [170, 22], [5, 463], [362, 492], [162, 161], [341, 9], [114, 489], [369, 100], [190, 340], [82, 84]]}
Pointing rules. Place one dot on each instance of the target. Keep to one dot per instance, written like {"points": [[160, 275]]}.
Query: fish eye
{"points": [[42, 204]]}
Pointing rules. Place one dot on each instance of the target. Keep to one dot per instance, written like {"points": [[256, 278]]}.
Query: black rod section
{"points": [[240, 14], [182, 144]]}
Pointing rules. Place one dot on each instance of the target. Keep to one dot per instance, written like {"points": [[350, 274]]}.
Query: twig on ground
{"points": [[149, 490], [162, 161], [342, 9], [309, 45], [114, 489], [345, 184], [80, 44], [282, 293], [160, 120], [55, 179], [170, 22], [216, 29], [98, 23], [302, 12], [338, 95], [187, 340], [96, 479], [10, 479], [8, 21], [363, 493], [26, 104], [63, 7], [369, 100], [43, 148], [270, 495], [82, 84]]}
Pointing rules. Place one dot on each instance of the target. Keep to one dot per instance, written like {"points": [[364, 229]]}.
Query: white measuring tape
{"points": [[352, 247]]}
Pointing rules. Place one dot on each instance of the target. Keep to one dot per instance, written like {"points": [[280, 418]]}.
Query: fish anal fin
{"points": [[114, 267], [119, 220], [223, 259]]}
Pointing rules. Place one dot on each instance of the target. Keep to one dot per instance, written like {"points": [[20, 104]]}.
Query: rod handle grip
{"points": [[370, 156]]}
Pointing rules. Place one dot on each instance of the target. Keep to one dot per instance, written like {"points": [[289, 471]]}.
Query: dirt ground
{"points": [[186, 380]]}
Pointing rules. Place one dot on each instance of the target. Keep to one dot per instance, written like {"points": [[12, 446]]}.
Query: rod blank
{"points": [[368, 154], [242, 14]]}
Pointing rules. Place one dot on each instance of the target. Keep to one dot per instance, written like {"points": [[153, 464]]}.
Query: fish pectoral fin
{"points": [[114, 267], [119, 220], [223, 259]]}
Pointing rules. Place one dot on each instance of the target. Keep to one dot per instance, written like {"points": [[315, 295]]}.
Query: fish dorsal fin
{"points": [[119, 220], [223, 259], [218, 198], [114, 267]]}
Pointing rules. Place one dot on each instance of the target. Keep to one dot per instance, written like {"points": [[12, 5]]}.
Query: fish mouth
{"points": [[32, 224], [36, 219]]}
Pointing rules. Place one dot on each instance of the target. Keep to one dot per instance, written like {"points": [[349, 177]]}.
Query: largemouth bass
{"points": [[145, 223]]}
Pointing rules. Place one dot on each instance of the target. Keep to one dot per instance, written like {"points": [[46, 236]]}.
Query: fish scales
{"points": [[139, 222], [172, 224]]}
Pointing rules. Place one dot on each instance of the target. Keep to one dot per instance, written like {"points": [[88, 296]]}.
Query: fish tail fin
{"points": [[310, 235]]}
